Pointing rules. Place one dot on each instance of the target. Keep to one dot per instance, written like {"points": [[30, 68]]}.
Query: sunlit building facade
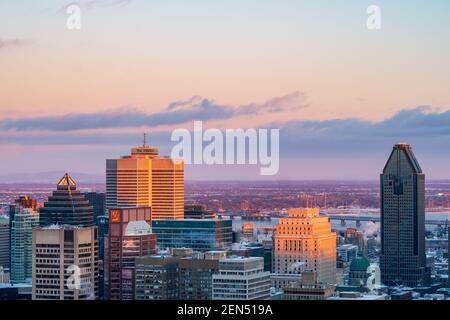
{"points": [[144, 179], [304, 241]]}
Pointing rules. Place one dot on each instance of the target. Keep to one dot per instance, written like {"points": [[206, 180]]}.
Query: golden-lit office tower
{"points": [[304, 241], [145, 179], [129, 179], [65, 263], [167, 189]]}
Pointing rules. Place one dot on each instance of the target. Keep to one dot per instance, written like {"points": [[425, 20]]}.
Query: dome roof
{"points": [[359, 263]]}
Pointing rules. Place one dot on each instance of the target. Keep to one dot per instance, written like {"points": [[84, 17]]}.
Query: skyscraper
{"points": [[304, 241], [167, 189], [65, 263], [144, 179], [4, 242], [66, 206], [130, 237], [402, 259], [23, 218], [65, 247]]}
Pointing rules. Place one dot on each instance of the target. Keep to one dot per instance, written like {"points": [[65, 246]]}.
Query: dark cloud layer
{"points": [[179, 112], [429, 131]]}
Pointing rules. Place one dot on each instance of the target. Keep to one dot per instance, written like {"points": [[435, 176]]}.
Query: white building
{"points": [[65, 263], [241, 278]]}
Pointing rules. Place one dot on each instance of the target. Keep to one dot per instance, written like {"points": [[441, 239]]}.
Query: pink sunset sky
{"points": [[341, 94]]}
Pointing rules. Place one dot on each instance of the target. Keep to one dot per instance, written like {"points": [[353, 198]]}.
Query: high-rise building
{"points": [[103, 230], [145, 179], [157, 278], [241, 278], [98, 202], [130, 237], [4, 242], [23, 218], [167, 189], [66, 206], [65, 247], [304, 241], [402, 259], [197, 234], [65, 263]]}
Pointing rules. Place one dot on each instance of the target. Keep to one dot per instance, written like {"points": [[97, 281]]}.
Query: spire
{"points": [[145, 145]]}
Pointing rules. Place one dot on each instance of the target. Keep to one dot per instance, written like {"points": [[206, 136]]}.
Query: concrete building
{"points": [[402, 187], [23, 218], [65, 263], [304, 241], [144, 179], [241, 279]]}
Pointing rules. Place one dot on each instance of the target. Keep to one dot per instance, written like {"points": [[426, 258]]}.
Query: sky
{"points": [[342, 95]]}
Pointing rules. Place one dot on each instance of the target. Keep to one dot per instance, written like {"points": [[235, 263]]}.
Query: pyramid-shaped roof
{"points": [[66, 182]]}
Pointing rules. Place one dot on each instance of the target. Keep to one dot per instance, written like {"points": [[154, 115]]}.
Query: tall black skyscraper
{"points": [[66, 206], [403, 260]]}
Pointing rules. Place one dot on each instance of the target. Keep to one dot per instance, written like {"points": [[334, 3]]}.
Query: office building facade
{"points": [[130, 237], [241, 278], [199, 234], [23, 218], [144, 179], [4, 243], [402, 183], [304, 241], [65, 263]]}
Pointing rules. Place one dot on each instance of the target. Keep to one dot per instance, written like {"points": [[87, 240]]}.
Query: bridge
{"points": [[366, 218]]}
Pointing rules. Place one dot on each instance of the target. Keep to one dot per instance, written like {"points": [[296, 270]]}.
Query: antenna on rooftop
{"points": [[145, 140]]}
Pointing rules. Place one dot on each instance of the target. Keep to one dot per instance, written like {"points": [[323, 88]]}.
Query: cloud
{"points": [[419, 122], [178, 112], [6, 43]]}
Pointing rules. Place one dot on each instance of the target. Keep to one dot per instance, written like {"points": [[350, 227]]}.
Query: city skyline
{"points": [[339, 93]]}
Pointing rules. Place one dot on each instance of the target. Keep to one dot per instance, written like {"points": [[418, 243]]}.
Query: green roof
{"points": [[359, 263]]}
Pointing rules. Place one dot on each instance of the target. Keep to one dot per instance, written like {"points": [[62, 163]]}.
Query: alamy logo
{"points": [[229, 148], [74, 18], [374, 17], [74, 280]]}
